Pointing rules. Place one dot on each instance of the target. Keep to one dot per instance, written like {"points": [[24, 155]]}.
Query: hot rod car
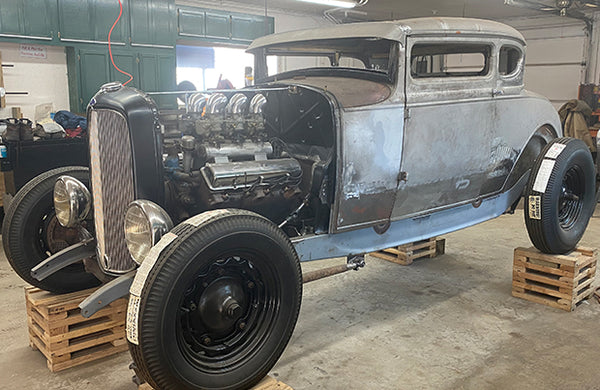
{"points": [[384, 133]]}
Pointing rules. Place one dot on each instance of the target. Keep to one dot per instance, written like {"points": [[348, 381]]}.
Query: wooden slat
{"points": [[537, 267], [86, 356]]}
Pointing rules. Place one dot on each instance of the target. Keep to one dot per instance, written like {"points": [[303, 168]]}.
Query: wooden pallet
{"points": [[405, 254], [268, 383], [560, 281], [64, 336]]}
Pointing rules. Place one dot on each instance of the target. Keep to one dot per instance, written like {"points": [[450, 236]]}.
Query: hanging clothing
{"points": [[574, 117]]}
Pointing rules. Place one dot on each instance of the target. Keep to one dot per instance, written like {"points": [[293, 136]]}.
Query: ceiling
{"points": [[401, 9]]}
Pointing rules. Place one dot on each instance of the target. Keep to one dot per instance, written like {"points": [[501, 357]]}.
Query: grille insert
{"points": [[112, 186]]}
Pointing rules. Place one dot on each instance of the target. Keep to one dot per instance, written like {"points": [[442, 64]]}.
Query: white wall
{"points": [[44, 79], [556, 54]]}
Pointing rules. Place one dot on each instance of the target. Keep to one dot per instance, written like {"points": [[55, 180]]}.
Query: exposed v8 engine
{"points": [[241, 150]]}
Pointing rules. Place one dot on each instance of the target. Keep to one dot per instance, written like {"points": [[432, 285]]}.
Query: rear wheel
{"points": [[219, 305], [560, 195], [31, 233]]}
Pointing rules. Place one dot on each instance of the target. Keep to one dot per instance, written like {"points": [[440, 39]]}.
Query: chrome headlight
{"points": [[145, 224], [72, 201]]}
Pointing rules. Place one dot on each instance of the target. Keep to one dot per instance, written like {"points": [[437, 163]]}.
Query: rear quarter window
{"points": [[509, 60]]}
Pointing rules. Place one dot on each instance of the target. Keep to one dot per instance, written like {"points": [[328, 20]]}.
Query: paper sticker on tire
{"points": [[535, 203]]}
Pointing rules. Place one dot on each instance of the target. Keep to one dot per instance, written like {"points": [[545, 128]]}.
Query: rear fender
{"points": [[529, 154]]}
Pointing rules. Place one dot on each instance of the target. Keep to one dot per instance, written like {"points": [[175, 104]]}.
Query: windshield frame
{"points": [[389, 76]]}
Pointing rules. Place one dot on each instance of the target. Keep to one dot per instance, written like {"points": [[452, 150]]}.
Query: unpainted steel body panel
{"points": [[458, 139], [368, 165]]}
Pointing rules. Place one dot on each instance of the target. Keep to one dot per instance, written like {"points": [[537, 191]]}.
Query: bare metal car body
{"points": [[405, 154]]}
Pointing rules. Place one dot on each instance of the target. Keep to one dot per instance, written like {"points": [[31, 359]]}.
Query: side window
{"points": [[509, 60], [449, 60]]}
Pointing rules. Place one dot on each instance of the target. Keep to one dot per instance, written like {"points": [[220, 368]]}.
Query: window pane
{"points": [[509, 60], [449, 60]]}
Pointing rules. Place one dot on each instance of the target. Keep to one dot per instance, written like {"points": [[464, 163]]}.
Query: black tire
{"points": [[255, 260], [557, 218], [30, 226]]}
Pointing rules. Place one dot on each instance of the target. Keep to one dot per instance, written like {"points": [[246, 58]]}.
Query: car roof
{"points": [[394, 30]]}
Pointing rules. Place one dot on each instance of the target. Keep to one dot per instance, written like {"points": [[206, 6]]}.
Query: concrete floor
{"points": [[443, 323]]}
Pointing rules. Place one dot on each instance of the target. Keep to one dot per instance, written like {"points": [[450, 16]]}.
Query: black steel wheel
{"points": [[31, 233], [560, 196], [219, 305]]}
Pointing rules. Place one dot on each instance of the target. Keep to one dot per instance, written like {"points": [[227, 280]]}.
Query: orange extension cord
{"points": [[110, 48]]}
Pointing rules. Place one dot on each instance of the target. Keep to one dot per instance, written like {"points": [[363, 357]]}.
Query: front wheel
{"points": [[31, 233], [560, 196], [219, 304]]}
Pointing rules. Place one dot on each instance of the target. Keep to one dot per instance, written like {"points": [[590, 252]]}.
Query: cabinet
{"points": [[33, 19], [191, 23], [220, 26], [152, 23], [89, 21], [249, 27]]}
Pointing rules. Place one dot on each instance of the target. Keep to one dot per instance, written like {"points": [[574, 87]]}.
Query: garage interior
{"points": [[446, 321]]}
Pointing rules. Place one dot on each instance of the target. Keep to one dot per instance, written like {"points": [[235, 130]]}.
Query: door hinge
{"points": [[406, 113]]}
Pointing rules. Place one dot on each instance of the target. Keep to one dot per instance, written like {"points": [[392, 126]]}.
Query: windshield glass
{"points": [[346, 57]]}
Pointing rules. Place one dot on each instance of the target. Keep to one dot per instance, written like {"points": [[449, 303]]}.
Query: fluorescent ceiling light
{"points": [[591, 5], [333, 3]]}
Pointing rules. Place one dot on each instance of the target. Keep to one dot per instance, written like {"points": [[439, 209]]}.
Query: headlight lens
{"points": [[145, 223], [72, 201]]}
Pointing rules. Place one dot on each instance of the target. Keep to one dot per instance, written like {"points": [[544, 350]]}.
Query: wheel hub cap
{"points": [[221, 304]]}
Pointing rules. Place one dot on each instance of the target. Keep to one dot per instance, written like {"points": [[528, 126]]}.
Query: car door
{"points": [[449, 123]]}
